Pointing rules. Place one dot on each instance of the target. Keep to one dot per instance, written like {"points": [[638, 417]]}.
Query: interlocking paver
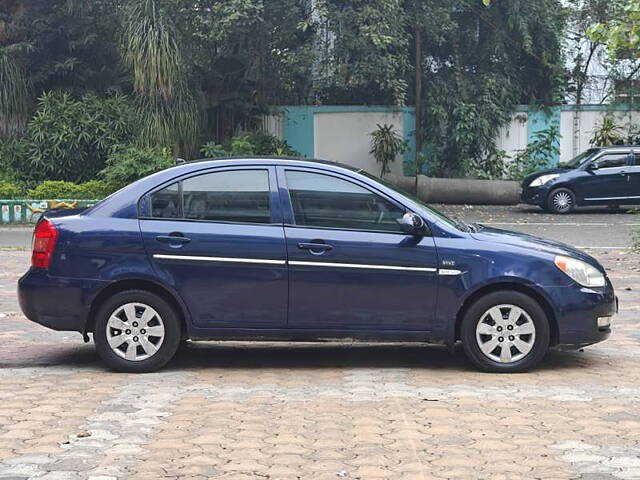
{"points": [[284, 411]]}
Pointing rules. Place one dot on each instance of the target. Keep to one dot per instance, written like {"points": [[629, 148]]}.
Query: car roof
{"points": [[613, 147], [271, 160]]}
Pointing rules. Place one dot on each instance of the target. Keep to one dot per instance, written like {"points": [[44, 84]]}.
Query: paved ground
{"points": [[268, 411]]}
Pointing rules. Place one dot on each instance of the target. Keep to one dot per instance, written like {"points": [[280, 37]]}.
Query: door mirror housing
{"points": [[592, 166], [412, 224]]}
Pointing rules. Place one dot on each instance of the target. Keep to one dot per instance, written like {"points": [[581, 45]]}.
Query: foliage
{"points": [[61, 44], [545, 146], [478, 64], [69, 139], [51, 189], [152, 49], [14, 95], [249, 144], [195, 69], [591, 72], [621, 33], [607, 133], [128, 163], [10, 190], [364, 51], [386, 145]]}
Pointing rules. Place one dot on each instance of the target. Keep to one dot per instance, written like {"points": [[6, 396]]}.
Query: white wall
{"points": [[345, 137], [513, 136]]}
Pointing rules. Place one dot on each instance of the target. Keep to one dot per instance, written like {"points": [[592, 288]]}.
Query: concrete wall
{"points": [[577, 124], [341, 133], [345, 137]]}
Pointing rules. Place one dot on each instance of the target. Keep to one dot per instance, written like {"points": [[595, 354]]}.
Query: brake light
{"points": [[44, 241]]}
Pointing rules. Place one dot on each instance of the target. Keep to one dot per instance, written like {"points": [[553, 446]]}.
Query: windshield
{"points": [[454, 222], [576, 161]]}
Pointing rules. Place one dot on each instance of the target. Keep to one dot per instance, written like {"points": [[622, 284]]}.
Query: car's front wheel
{"points": [[505, 331], [136, 331], [561, 200]]}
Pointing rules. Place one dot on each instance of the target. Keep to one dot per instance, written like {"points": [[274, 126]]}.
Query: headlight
{"points": [[538, 182], [580, 272]]}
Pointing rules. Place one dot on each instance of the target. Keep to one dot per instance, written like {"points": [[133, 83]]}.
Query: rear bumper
{"points": [[56, 302]]}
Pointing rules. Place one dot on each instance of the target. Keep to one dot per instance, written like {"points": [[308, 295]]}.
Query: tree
{"points": [[592, 71], [363, 52], [479, 62], [621, 33], [161, 78], [62, 44]]}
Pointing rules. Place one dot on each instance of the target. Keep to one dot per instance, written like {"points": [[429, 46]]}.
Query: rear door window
{"points": [[240, 196], [166, 203], [231, 196]]}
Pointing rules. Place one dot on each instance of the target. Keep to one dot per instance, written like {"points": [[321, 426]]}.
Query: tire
{"points": [[561, 201], [480, 332], [136, 349]]}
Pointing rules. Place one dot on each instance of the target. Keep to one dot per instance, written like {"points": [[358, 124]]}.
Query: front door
{"points": [[217, 238], [609, 181], [350, 265]]}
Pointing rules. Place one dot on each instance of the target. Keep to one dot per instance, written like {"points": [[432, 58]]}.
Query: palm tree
{"points": [[151, 48], [15, 94]]}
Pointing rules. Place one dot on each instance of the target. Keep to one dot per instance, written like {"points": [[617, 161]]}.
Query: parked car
{"points": [[598, 176], [286, 249]]}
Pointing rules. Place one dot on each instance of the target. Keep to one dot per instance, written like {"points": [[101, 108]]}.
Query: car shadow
{"points": [[297, 356], [292, 356]]}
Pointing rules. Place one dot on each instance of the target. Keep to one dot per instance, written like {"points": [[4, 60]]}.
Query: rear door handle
{"points": [[315, 246], [175, 239]]}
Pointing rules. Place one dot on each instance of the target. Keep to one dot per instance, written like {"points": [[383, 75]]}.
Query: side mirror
{"points": [[412, 224], [592, 166]]}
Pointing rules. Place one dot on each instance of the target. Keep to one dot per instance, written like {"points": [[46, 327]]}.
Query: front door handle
{"points": [[173, 238], [315, 247]]}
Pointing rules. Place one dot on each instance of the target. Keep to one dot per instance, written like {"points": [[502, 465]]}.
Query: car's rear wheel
{"points": [[505, 331], [136, 331], [561, 200]]}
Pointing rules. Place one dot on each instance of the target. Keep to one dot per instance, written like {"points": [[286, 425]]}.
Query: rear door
{"points": [[350, 265], [217, 238]]}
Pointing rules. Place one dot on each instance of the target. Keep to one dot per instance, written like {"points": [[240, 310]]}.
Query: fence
{"points": [[29, 211], [341, 133]]}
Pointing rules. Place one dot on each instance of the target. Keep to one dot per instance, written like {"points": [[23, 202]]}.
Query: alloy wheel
{"points": [[562, 201], [135, 331], [505, 333]]}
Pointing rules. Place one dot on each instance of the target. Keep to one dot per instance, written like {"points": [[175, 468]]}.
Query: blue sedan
{"points": [[297, 250]]}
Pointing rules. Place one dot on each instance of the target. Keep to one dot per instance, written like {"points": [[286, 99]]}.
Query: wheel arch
{"points": [[513, 286], [136, 284]]}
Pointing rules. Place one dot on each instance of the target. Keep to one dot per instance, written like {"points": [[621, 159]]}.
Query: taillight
{"points": [[44, 241]]}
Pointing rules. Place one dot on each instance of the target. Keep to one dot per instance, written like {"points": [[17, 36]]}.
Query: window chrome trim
{"points": [[362, 266], [219, 259], [262, 261]]}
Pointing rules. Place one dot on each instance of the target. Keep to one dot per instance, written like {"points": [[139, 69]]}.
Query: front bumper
{"points": [[579, 310], [534, 195], [58, 303]]}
